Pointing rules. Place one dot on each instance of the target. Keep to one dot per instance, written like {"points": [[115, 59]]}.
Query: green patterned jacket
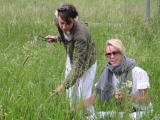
{"points": [[80, 49]]}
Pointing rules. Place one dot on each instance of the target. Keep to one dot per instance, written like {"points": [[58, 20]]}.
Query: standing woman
{"points": [[81, 54]]}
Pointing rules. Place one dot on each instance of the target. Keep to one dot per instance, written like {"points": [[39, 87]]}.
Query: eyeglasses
{"points": [[112, 53]]}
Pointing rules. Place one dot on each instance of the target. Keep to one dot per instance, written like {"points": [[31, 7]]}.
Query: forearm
{"points": [[139, 99], [143, 98], [86, 103], [91, 100], [70, 80], [74, 75]]}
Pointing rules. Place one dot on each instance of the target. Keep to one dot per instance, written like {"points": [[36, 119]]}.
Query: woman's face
{"points": [[113, 55], [65, 27]]}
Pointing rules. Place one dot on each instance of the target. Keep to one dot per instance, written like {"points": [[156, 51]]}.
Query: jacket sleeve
{"points": [[79, 61]]}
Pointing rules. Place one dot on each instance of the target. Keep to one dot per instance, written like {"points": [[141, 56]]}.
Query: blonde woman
{"points": [[121, 79]]}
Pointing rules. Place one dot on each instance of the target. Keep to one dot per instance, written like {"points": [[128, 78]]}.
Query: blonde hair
{"points": [[117, 44]]}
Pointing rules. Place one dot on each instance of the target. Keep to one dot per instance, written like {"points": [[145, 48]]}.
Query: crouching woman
{"points": [[121, 79]]}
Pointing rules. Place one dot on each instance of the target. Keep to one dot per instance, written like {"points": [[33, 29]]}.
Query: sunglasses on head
{"points": [[112, 53], [63, 8]]}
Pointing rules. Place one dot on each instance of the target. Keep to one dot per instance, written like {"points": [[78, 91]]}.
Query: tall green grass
{"points": [[30, 68]]}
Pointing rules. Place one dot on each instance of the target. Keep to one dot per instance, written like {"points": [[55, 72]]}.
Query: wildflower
{"points": [[5, 114]]}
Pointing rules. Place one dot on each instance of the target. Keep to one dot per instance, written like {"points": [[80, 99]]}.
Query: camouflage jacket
{"points": [[80, 49]]}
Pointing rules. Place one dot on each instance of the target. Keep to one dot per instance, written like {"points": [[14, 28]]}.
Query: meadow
{"points": [[31, 68]]}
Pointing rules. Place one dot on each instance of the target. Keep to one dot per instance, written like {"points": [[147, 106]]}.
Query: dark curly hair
{"points": [[67, 11]]}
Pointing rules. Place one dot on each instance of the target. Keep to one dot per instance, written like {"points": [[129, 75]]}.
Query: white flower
{"points": [[129, 84]]}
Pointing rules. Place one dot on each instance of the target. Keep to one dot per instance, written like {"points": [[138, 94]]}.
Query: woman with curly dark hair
{"points": [[81, 54]]}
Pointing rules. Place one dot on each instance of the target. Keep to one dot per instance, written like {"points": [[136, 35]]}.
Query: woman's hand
{"points": [[51, 38], [118, 95], [59, 89]]}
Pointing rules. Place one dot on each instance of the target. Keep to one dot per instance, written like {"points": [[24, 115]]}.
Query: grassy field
{"points": [[31, 68]]}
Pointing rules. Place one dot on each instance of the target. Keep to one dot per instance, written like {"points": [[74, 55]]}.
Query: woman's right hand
{"points": [[118, 95], [51, 38], [59, 89]]}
